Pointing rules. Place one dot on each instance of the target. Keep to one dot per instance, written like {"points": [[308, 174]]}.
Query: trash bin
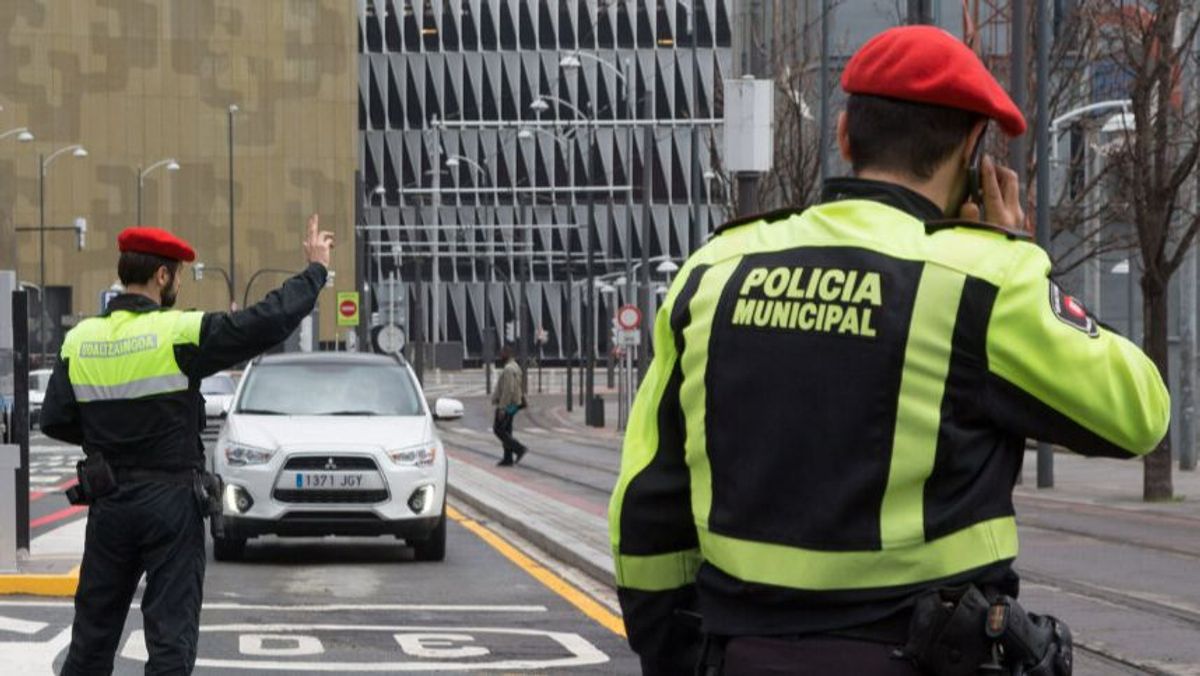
{"points": [[595, 412]]}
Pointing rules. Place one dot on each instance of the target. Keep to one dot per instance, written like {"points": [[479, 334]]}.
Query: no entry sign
{"points": [[629, 317], [347, 303]]}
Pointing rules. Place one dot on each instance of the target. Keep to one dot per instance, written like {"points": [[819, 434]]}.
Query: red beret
{"points": [[155, 241], [928, 65]]}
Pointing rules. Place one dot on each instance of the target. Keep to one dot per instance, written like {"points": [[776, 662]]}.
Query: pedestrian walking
{"points": [[818, 468], [127, 388], [508, 398]]}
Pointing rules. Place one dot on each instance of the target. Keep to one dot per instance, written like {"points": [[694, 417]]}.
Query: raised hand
{"points": [[318, 244]]}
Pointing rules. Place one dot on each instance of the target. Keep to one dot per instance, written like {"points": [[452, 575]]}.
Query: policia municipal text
{"points": [[126, 388], [817, 473]]}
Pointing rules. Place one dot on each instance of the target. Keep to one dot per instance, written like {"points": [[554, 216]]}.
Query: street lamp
{"points": [[44, 163], [200, 268], [540, 104], [527, 134], [22, 133], [169, 163], [233, 108], [453, 162]]}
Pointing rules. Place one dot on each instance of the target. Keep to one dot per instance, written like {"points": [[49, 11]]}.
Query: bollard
{"points": [[10, 462], [595, 412]]}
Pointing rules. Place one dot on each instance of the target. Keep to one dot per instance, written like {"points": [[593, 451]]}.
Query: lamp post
{"points": [[169, 163], [233, 108], [44, 163], [453, 162], [568, 329], [22, 133], [589, 260], [263, 271], [200, 268], [643, 295]]}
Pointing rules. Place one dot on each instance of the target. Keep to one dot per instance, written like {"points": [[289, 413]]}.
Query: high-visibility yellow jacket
{"points": [[836, 415]]}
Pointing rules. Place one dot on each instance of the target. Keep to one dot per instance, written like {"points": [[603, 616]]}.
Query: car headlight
{"points": [[415, 456], [240, 455]]}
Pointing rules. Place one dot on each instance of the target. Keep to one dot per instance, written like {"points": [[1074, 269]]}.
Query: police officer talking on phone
{"points": [[127, 388], [817, 473]]}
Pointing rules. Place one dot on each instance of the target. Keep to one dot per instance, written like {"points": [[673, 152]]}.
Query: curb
{"points": [[551, 546], [40, 585]]}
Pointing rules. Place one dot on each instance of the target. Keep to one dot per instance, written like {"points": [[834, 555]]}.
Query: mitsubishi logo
{"points": [[330, 464]]}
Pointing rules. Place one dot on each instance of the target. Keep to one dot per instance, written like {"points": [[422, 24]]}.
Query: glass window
{"points": [[218, 384], [327, 388]]}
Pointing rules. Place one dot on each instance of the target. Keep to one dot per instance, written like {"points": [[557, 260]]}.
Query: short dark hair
{"points": [[894, 135], [139, 268]]}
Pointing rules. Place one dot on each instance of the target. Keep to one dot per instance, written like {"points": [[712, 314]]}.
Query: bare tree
{"points": [[1158, 156]]}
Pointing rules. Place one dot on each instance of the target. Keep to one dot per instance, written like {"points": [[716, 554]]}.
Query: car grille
{"points": [[330, 516], [318, 462], [330, 497]]}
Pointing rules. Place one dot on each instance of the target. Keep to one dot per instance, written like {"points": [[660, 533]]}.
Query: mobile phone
{"points": [[975, 174]]}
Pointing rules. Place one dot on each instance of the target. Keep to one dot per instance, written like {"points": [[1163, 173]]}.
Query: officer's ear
{"points": [[163, 277], [843, 137]]}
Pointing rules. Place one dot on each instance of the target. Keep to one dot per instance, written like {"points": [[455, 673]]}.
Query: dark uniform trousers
{"points": [[151, 527]]}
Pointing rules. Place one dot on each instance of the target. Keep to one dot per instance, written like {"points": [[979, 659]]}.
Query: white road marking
{"points": [[34, 658], [435, 646], [21, 626], [294, 646], [582, 652], [226, 605]]}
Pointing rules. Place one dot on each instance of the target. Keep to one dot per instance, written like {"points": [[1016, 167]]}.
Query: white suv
{"points": [[331, 443]]}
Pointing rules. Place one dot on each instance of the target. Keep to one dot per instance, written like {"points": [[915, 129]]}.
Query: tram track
{"points": [[458, 443]]}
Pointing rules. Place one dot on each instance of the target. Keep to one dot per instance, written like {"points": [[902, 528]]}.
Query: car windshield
{"points": [[218, 384], [324, 388]]}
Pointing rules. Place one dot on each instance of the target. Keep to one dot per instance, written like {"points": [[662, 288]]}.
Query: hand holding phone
{"points": [[999, 195]]}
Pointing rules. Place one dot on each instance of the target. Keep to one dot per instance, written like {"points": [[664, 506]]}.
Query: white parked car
{"points": [[331, 443], [218, 392], [39, 382]]}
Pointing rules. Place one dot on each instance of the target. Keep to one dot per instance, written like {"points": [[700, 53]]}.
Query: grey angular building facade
{"points": [[490, 128]]}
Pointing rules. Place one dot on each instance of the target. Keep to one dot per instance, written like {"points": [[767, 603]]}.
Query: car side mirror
{"points": [[445, 408], [226, 407]]}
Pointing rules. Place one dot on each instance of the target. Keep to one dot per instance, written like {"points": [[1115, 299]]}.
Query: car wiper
{"points": [[349, 413], [259, 411]]}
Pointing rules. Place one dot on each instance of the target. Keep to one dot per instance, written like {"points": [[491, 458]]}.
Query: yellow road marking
{"points": [[554, 583]]}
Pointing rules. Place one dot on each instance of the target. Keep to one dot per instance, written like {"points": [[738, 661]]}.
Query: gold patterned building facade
{"points": [[139, 81]]}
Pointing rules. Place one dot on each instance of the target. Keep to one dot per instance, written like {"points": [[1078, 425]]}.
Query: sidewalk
{"points": [[51, 567]]}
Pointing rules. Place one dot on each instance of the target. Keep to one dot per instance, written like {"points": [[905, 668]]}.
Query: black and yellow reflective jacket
{"points": [[127, 383], [836, 415]]}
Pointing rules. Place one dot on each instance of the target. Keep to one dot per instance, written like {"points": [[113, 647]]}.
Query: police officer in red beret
{"points": [[818, 468], [127, 388]]}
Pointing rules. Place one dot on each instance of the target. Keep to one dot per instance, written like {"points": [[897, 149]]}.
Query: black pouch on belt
{"points": [[96, 480], [946, 636]]}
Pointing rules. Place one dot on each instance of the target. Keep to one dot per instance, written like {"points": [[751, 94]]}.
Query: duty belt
{"points": [[183, 477]]}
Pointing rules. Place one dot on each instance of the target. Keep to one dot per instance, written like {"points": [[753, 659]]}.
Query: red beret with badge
{"points": [[155, 241], [925, 64]]}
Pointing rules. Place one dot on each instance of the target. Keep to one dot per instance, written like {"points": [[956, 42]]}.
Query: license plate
{"points": [[330, 481]]}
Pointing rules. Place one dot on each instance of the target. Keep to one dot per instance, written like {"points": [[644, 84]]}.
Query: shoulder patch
{"points": [[1071, 311], [944, 224], [765, 217]]}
